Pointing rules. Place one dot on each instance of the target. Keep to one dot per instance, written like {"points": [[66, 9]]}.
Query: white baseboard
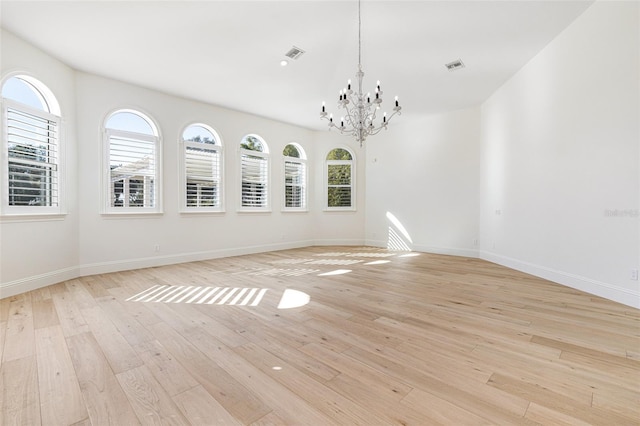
{"points": [[588, 285], [451, 251], [337, 242], [35, 282], [25, 284]]}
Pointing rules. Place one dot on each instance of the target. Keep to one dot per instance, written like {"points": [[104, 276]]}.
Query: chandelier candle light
{"points": [[359, 109]]}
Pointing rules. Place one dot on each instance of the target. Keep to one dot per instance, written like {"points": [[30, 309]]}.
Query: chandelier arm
{"points": [[351, 115]]}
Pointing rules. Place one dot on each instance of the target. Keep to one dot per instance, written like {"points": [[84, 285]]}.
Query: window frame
{"points": [[264, 155], [302, 161], [50, 113], [218, 148], [352, 185], [106, 188]]}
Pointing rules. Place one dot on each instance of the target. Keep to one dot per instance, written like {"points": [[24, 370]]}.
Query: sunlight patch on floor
{"points": [[201, 295], [336, 272], [333, 262], [377, 262], [293, 299]]}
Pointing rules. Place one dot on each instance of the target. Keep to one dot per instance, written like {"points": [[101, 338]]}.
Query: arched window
{"points": [[32, 169], [132, 163], [254, 169], [202, 168], [339, 172], [295, 177]]}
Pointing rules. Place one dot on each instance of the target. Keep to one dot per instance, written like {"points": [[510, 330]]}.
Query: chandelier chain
{"points": [[359, 37]]}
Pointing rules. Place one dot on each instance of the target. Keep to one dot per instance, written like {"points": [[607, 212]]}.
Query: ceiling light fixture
{"points": [[284, 63], [359, 109]]}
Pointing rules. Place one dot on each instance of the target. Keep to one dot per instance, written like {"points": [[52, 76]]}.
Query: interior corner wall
{"points": [[36, 252], [422, 184], [560, 159], [338, 227]]}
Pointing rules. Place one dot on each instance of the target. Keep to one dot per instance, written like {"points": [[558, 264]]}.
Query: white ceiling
{"points": [[228, 53]]}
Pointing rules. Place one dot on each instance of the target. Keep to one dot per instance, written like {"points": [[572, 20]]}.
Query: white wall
{"points": [[109, 243], [37, 251], [425, 173], [84, 242], [560, 150]]}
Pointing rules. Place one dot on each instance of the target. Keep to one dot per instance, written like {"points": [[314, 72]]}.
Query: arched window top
{"points": [[254, 143], [294, 150], [201, 133], [339, 154], [31, 92], [131, 121]]}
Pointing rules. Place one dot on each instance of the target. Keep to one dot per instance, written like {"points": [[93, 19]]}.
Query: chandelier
{"points": [[359, 109]]}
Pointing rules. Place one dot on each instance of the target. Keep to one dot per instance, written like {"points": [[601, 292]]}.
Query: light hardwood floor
{"points": [[386, 338]]}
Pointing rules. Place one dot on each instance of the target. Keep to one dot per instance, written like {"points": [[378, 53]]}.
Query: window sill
{"points": [[246, 211], [202, 212], [32, 217], [339, 210], [131, 215]]}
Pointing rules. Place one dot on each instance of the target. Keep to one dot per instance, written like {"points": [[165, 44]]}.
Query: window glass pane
{"points": [[291, 151], [252, 143], [197, 133], [19, 90], [339, 174], [339, 196], [131, 122], [339, 154]]}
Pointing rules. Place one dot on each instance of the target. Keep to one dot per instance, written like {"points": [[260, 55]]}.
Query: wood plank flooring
{"points": [[385, 338]]}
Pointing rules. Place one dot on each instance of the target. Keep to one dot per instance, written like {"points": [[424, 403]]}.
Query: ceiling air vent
{"points": [[455, 65], [294, 53]]}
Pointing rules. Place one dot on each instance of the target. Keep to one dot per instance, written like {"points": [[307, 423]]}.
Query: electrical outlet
{"points": [[634, 274], [156, 247]]}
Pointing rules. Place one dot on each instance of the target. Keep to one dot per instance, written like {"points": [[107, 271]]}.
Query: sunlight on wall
{"points": [[293, 299], [399, 239], [200, 295]]}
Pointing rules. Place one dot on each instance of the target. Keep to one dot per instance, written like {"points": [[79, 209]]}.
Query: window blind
{"points": [[202, 168], [254, 181], [133, 171], [294, 184], [33, 158]]}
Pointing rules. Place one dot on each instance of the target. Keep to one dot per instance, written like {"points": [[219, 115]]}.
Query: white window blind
{"points": [[33, 157], [132, 169], [295, 184], [255, 172], [202, 168]]}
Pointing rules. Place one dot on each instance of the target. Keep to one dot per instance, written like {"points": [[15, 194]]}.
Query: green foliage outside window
{"points": [[339, 178], [251, 143]]}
